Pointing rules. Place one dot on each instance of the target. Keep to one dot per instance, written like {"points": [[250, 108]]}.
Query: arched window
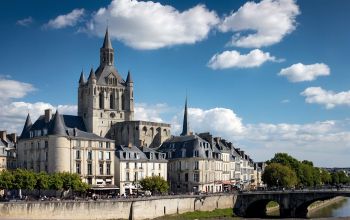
{"points": [[101, 101], [111, 102]]}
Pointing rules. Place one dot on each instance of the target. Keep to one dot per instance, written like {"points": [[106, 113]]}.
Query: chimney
{"points": [[14, 137], [48, 114], [3, 135]]}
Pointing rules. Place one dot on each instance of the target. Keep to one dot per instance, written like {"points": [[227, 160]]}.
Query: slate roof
{"points": [[104, 71], [134, 153], [176, 145], [63, 125]]}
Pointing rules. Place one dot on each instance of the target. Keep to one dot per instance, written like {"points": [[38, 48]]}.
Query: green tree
{"points": [[42, 181], [335, 178], [24, 179], [155, 184], [326, 177], [279, 175], [6, 180], [55, 182]]}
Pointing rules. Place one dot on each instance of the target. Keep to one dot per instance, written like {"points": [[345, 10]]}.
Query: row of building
{"points": [[111, 150]]}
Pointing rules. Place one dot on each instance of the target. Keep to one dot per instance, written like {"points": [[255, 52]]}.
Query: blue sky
{"points": [[227, 56]]}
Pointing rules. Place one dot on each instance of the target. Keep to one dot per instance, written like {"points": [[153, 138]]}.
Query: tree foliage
{"points": [[279, 175], [308, 175], [155, 184], [28, 180]]}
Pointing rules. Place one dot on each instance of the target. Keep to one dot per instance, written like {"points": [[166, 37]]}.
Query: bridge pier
{"points": [[287, 212]]}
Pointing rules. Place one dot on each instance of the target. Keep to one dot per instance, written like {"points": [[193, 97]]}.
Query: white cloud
{"points": [[231, 59], [219, 121], [25, 22], [12, 89], [270, 21], [300, 72], [67, 20], [285, 101], [13, 114], [330, 99], [151, 25], [147, 112]]}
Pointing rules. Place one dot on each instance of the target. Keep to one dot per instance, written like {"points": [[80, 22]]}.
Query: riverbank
{"points": [[323, 204], [223, 214], [273, 207]]}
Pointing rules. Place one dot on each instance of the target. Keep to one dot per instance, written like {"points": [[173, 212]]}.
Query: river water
{"points": [[339, 209]]}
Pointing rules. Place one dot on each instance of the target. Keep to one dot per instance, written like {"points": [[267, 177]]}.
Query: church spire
{"points": [[27, 126], [106, 51], [185, 129], [107, 41]]}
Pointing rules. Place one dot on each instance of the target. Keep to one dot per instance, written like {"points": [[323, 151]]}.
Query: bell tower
{"points": [[105, 98]]}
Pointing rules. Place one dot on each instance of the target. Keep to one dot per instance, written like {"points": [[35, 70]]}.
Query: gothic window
{"points": [[111, 102], [101, 101]]}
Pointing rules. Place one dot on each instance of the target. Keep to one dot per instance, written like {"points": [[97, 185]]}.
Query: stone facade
{"points": [[8, 142], [203, 163], [133, 164], [60, 144]]}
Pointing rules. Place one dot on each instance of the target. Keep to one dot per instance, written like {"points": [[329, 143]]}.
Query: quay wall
{"points": [[133, 209]]}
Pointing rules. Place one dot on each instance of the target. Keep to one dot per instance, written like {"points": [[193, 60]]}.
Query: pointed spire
{"points": [[82, 78], [27, 126], [57, 126], [129, 78], [107, 41], [185, 130], [92, 74]]}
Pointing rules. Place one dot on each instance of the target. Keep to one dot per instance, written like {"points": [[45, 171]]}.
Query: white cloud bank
{"points": [[67, 20], [232, 59], [13, 114], [300, 72], [150, 25], [328, 98], [270, 21]]}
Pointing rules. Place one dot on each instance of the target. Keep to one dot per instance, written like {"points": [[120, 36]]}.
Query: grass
{"points": [[217, 213], [272, 204]]}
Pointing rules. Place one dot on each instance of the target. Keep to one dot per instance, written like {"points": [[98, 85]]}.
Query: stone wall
{"points": [[136, 209]]}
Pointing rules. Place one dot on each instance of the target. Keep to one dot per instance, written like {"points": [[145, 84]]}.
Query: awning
{"points": [[103, 188]]}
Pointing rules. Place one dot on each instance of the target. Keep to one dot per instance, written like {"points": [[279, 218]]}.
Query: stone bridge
{"points": [[292, 203]]}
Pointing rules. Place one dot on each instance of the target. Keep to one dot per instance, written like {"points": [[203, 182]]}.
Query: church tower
{"points": [[105, 98]]}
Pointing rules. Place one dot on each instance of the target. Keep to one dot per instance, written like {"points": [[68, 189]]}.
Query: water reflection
{"points": [[339, 209]]}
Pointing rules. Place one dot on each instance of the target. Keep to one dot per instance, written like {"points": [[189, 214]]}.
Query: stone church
{"points": [[106, 104], [86, 143]]}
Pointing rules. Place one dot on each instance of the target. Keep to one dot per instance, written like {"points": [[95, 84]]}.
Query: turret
{"points": [[82, 80], [92, 76], [57, 126], [26, 127]]}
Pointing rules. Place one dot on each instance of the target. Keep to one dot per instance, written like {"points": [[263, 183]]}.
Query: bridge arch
{"points": [[292, 203], [301, 210], [258, 208]]}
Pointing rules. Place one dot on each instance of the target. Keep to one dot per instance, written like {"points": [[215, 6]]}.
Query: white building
{"points": [[133, 164]]}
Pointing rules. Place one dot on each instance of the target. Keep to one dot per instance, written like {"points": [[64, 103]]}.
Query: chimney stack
{"points": [[14, 137], [3, 135], [48, 115]]}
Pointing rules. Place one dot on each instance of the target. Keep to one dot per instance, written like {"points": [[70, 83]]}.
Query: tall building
{"points": [[105, 98], [106, 105], [85, 144], [61, 143]]}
